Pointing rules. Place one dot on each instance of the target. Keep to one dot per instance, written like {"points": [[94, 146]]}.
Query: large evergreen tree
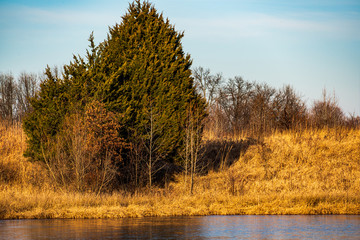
{"points": [[142, 75], [145, 67]]}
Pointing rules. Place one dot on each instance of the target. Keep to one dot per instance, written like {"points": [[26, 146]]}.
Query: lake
{"points": [[208, 227]]}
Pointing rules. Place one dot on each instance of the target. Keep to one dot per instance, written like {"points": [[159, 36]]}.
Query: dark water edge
{"points": [[204, 227]]}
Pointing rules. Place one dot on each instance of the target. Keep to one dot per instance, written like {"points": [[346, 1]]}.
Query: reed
{"points": [[308, 172]]}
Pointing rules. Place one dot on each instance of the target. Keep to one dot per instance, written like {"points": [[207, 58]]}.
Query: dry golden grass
{"points": [[313, 172], [14, 168], [310, 172]]}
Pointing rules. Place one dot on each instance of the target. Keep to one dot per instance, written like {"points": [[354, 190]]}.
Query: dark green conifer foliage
{"points": [[50, 106], [144, 63]]}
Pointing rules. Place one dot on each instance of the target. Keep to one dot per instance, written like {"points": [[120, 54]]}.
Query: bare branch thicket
{"points": [[66, 157], [289, 111], [136, 174], [353, 121], [235, 101], [87, 150], [15, 95], [194, 148], [326, 112], [153, 142], [261, 121], [106, 143]]}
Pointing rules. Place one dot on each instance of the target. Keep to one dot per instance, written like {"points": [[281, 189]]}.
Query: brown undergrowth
{"points": [[309, 172]]}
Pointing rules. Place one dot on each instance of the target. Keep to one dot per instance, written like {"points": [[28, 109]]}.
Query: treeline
{"points": [[236, 106], [242, 108]]}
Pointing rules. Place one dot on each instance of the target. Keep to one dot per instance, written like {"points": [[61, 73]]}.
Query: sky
{"points": [[309, 44]]}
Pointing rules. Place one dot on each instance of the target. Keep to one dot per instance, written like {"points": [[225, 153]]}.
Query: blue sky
{"points": [[310, 45]]}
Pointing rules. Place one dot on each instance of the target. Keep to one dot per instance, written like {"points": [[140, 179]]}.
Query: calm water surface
{"points": [[210, 227]]}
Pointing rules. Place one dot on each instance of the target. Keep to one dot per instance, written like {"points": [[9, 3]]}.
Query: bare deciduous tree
{"points": [[235, 101], [152, 142], [193, 145], [7, 97], [206, 84], [27, 86], [261, 109]]}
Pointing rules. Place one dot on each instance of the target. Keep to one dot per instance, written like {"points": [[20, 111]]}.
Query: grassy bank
{"points": [[312, 172]]}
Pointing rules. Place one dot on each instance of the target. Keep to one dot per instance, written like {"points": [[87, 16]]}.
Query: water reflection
{"points": [[210, 227], [283, 227]]}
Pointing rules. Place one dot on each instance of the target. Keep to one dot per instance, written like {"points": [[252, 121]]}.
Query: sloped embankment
{"points": [[312, 172]]}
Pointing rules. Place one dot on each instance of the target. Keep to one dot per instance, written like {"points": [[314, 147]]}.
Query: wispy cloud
{"points": [[32, 15], [249, 24], [265, 25]]}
